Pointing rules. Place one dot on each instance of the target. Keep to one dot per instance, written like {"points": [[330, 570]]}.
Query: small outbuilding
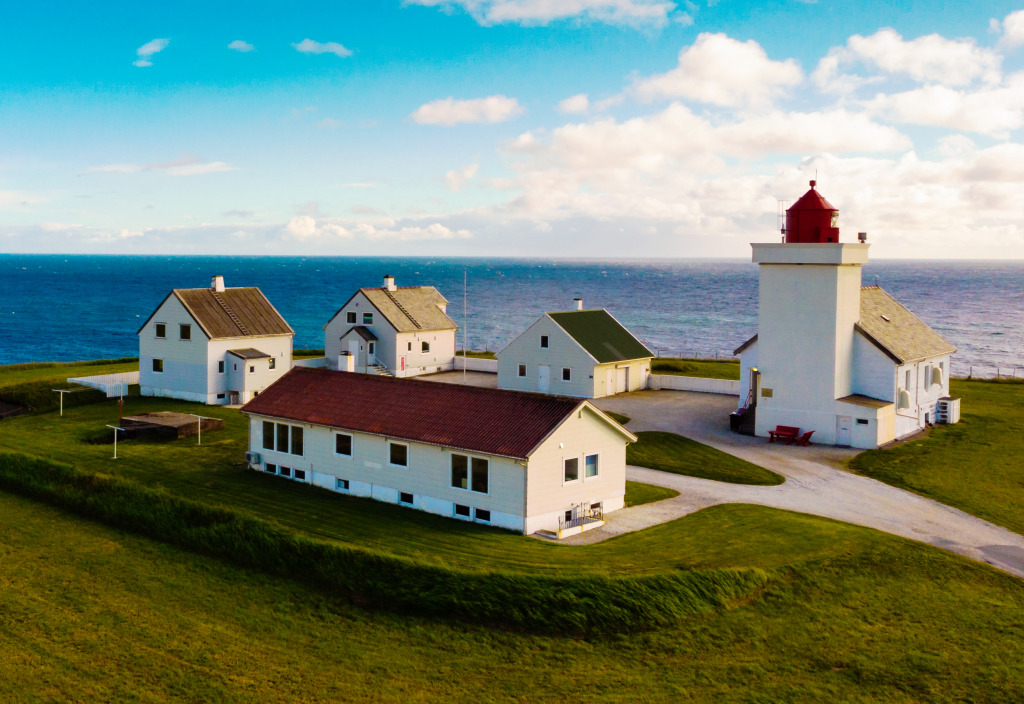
{"points": [[581, 353], [525, 462]]}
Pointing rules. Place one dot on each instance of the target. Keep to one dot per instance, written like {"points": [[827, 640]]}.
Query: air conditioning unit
{"points": [[948, 409], [252, 459]]}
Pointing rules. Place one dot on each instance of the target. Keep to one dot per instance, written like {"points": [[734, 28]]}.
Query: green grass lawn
{"points": [[478, 354], [706, 368], [638, 493], [669, 452], [88, 613], [976, 465], [13, 374]]}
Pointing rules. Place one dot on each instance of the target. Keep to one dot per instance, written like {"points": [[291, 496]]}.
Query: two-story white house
{"points": [[525, 462], [581, 353], [213, 345], [400, 331]]}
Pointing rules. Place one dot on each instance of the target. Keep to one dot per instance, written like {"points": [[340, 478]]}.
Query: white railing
{"points": [[110, 384], [476, 364], [674, 382]]}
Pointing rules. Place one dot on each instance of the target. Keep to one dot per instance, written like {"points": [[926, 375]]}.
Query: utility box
{"points": [[948, 409]]}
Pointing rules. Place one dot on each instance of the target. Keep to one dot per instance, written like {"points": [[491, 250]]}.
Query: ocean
{"points": [[74, 307]]}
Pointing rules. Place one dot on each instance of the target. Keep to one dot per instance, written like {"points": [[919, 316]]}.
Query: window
{"points": [[522, 370], [590, 466], [398, 454], [566, 374], [367, 318], [158, 366], [424, 346], [273, 363], [470, 473], [595, 506], [268, 435], [235, 366], [544, 341], [862, 421], [460, 471], [480, 472], [272, 468], [161, 330], [572, 469], [296, 440], [286, 471], [405, 497], [482, 515], [910, 379], [300, 474], [221, 396], [220, 367], [282, 438], [350, 317], [343, 444], [461, 510], [373, 348], [341, 484], [409, 349], [252, 369], [185, 332]]}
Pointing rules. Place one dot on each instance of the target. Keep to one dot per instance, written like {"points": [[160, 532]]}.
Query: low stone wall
{"points": [[674, 382]]}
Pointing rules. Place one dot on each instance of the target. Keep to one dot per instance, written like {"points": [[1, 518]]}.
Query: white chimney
{"points": [[217, 284], [346, 362], [579, 303], [389, 283]]}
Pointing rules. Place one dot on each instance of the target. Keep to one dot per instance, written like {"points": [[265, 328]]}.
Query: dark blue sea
{"points": [[62, 307]]}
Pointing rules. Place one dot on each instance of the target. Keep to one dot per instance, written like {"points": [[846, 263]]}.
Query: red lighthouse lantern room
{"points": [[812, 219]]}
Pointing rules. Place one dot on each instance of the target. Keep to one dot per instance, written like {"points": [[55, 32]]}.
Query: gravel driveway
{"points": [[815, 484]]}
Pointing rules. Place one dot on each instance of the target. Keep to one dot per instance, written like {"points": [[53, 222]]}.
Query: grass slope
{"points": [[638, 493], [975, 465], [669, 452], [88, 613], [706, 368]]}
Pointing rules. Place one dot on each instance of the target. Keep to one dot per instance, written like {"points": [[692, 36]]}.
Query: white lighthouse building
{"points": [[847, 362]]}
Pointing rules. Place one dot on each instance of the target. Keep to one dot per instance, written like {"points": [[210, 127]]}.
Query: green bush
{"points": [[568, 605]]}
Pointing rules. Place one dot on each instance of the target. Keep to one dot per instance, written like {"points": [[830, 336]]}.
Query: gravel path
{"points": [[815, 484]]}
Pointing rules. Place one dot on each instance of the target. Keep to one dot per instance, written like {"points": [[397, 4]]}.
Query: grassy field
{"points": [[88, 613], [14, 374], [975, 465], [618, 417], [706, 368], [669, 452], [478, 354], [638, 494]]}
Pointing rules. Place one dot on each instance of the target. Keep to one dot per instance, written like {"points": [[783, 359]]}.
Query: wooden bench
{"points": [[787, 432], [804, 439]]}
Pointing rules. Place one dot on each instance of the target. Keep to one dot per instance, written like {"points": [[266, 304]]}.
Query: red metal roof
{"points": [[812, 200], [488, 421]]}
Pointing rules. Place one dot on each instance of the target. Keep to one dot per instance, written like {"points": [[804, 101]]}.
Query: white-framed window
{"points": [[296, 440], [158, 366], [367, 318], [424, 346], [271, 468], [252, 368], [285, 471], [566, 374], [462, 511], [350, 317], [470, 473], [398, 454], [220, 367], [522, 370], [343, 444], [282, 437], [910, 379], [591, 466], [571, 469], [300, 474], [161, 330], [544, 341], [482, 515], [184, 332], [341, 484], [409, 348]]}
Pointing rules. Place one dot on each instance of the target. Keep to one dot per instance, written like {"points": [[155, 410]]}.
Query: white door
{"points": [[609, 382], [543, 378], [371, 354], [623, 380], [843, 424], [353, 349]]}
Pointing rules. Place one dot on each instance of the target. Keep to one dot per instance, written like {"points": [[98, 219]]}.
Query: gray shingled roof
{"points": [[233, 312], [895, 330], [411, 308]]}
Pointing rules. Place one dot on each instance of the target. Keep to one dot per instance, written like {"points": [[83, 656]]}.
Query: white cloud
{"points": [[457, 178], [147, 50], [576, 104], [720, 70], [448, 111], [539, 12], [186, 166], [9, 200], [304, 228], [1013, 29], [308, 46], [243, 46]]}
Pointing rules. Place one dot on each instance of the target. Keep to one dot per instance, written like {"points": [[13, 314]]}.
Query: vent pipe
{"points": [[579, 303]]}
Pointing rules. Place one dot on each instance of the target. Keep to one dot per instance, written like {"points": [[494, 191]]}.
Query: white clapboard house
{"points": [[213, 345], [393, 330], [525, 462], [581, 353]]}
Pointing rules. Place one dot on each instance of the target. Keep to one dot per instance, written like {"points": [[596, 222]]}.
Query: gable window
{"points": [[566, 374], [161, 330], [544, 341], [273, 363], [367, 318], [220, 367], [590, 466], [425, 346], [350, 317], [572, 469], [158, 366], [343, 444], [470, 473], [398, 454], [185, 332], [522, 370]]}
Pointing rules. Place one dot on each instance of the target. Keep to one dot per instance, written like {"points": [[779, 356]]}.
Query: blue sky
{"points": [[592, 128]]}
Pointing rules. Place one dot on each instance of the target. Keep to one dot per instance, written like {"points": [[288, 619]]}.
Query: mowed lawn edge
{"points": [[669, 452]]}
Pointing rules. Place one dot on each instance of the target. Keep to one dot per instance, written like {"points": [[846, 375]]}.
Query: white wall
{"points": [[476, 364], [562, 352], [438, 359], [675, 382], [184, 361], [237, 375], [607, 377]]}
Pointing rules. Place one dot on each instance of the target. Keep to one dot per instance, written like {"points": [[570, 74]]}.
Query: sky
{"points": [[531, 128]]}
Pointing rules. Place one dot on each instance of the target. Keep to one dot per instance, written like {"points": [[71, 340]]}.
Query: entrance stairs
{"points": [[378, 369]]}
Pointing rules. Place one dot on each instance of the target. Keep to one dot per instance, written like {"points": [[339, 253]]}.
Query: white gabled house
{"points": [[400, 331], [525, 462], [581, 353], [849, 363], [213, 345]]}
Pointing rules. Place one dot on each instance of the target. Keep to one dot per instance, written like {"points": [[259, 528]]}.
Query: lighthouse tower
{"points": [[810, 291]]}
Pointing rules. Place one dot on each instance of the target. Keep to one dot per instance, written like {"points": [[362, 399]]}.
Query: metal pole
{"points": [[116, 428], [201, 419]]}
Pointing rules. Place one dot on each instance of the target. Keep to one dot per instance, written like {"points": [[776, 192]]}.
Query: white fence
{"points": [[476, 364], [674, 382], [110, 384], [316, 362]]}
